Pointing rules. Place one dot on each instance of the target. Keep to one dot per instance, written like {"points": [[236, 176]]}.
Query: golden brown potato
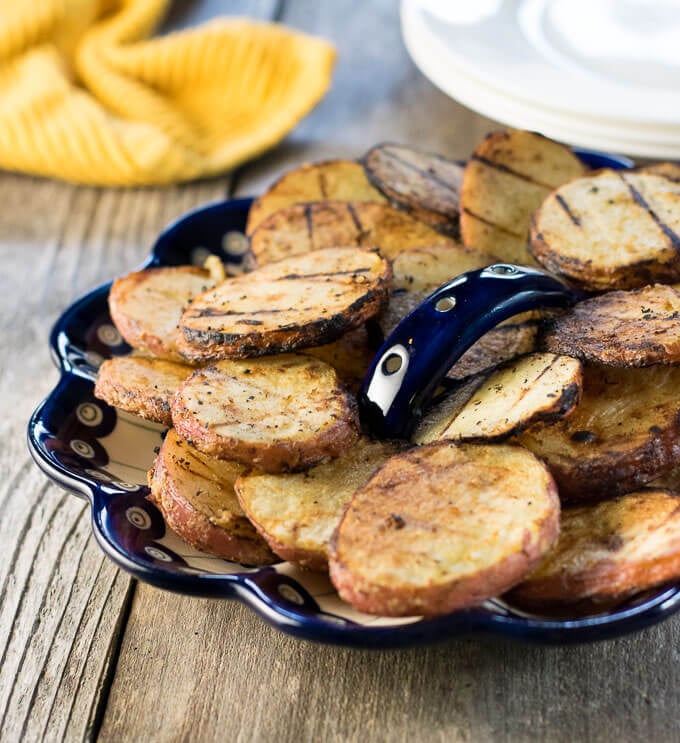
{"points": [[146, 306], [622, 328], [141, 386], [325, 224], [492, 407], [610, 549], [280, 413], [297, 513], [624, 433], [424, 185], [343, 180], [195, 494], [305, 300], [506, 179], [611, 230], [443, 527]]}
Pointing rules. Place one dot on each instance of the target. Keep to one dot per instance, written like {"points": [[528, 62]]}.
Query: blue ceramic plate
{"points": [[103, 454]]}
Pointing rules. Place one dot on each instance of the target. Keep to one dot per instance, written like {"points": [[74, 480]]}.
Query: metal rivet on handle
{"points": [[445, 304]]}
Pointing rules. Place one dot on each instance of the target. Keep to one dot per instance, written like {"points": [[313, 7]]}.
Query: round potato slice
{"points": [[424, 185], [280, 414], [297, 514], [195, 494], [624, 433], [611, 549], [146, 306], [442, 527], [303, 301], [623, 328], [495, 406], [331, 179], [140, 385], [304, 227], [611, 230], [506, 179]]}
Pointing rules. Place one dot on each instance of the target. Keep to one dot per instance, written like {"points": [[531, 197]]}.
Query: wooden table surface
{"points": [[88, 653]]}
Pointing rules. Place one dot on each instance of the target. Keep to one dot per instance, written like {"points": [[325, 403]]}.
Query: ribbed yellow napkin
{"points": [[85, 97]]}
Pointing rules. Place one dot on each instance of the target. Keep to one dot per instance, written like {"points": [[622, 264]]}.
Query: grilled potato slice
{"points": [[538, 387], [344, 180], [141, 386], [611, 230], [304, 227], [425, 267], [147, 305], [305, 300], [506, 179], [622, 328], [281, 413], [624, 433], [505, 342], [443, 527], [196, 496], [611, 549], [424, 185], [297, 513], [667, 170]]}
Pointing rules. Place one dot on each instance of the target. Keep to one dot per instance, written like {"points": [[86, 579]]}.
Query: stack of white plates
{"points": [[603, 74]]}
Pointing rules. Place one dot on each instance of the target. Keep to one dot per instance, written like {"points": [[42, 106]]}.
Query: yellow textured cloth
{"points": [[85, 96]]}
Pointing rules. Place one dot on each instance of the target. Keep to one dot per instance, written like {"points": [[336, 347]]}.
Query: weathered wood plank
{"points": [[201, 670], [61, 601]]}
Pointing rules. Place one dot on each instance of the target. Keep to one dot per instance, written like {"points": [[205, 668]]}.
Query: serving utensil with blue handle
{"points": [[413, 360]]}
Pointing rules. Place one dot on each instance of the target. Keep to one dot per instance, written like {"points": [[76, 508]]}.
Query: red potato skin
{"points": [[436, 600], [444, 598], [131, 330], [608, 580], [272, 457], [195, 528]]}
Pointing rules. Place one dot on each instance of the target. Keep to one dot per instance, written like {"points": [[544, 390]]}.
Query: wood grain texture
{"points": [[62, 603], [199, 670]]}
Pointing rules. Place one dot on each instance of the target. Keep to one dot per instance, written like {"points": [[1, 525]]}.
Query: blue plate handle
{"points": [[414, 359]]}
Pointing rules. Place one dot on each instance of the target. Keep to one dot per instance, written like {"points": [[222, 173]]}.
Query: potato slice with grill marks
{"points": [[297, 513], [443, 527], [538, 387], [624, 433], [611, 230], [303, 301], [280, 413], [507, 178], [304, 227], [332, 179], [146, 306], [424, 185], [195, 493], [608, 550], [622, 328], [140, 385]]}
